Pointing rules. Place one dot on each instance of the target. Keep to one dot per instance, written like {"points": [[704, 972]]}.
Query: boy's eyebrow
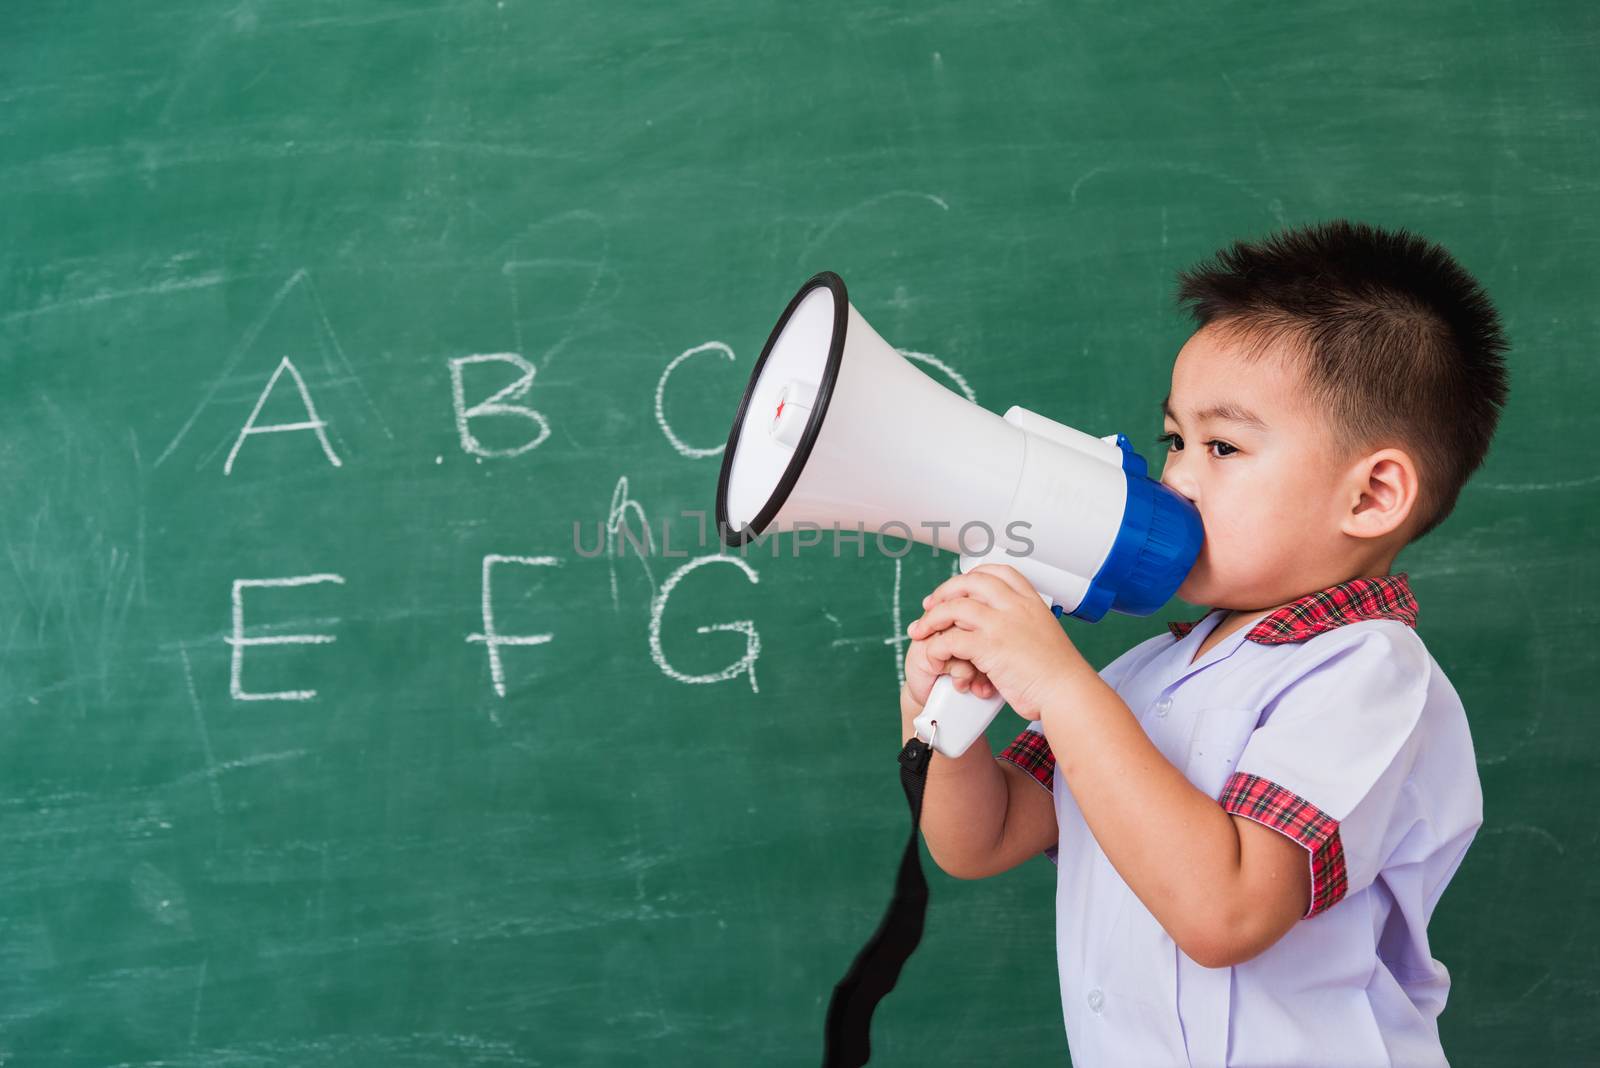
{"points": [[1227, 410]]}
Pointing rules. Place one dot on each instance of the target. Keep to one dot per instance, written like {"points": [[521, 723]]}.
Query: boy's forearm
{"points": [[1174, 846], [963, 803]]}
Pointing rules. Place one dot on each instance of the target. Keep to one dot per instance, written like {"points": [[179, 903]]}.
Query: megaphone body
{"points": [[838, 430]]}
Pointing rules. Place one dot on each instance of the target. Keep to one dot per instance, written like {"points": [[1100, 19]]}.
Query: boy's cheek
{"points": [[1189, 588]]}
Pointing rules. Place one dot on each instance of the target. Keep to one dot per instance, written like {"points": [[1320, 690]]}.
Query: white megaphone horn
{"points": [[837, 429]]}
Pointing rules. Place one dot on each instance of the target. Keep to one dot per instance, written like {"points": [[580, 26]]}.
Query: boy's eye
{"points": [[1175, 443]]}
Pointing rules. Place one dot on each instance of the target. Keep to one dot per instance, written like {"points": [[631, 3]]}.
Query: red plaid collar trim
{"points": [[1381, 597]]}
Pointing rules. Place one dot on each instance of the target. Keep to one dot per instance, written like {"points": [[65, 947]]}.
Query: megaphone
{"points": [[837, 430]]}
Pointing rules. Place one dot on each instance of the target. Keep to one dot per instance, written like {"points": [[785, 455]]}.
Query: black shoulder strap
{"points": [[877, 967]]}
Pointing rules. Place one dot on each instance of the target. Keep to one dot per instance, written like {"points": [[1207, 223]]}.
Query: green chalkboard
{"points": [[342, 745]]}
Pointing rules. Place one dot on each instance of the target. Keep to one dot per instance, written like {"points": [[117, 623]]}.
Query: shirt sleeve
{"points": [[1328, 763], [1030, 752]]}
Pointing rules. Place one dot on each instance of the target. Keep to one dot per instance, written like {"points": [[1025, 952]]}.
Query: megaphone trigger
{"points": [[795, 402]]}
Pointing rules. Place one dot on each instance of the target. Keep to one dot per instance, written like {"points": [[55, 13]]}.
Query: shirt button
{"points": [[1163, 706], [1096, 1000]]}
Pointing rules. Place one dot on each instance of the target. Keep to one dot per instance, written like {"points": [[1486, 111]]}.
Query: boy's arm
{"points": [[1302, 821], [1224, 887], [978, 819], [1030, 826]]}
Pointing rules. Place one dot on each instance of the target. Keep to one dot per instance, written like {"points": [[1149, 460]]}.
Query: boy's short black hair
{"points": [[1397, 344]]}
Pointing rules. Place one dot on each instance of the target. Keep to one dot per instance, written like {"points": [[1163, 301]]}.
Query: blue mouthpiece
{"points": [[1154, 550]]}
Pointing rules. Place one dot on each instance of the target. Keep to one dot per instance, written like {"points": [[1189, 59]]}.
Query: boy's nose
{"points": [[1178, 485]]}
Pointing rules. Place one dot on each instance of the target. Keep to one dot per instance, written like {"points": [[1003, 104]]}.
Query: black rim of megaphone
{"points": [[819, 411]]}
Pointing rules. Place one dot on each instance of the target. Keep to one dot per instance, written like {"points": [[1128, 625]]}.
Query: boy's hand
{"points": [[992, 618], [922, 671]]}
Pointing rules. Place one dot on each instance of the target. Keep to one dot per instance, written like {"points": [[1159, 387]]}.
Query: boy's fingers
{"points": [[1009, 575], [961, 674], [977, 683], [963, 612], [947, 645], [980, 585]]}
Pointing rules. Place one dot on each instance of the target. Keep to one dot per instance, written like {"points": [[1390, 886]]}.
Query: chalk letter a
{"points": [[312, 423]]}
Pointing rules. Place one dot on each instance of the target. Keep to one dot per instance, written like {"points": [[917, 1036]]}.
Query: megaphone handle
{"points": [[952, 720]]}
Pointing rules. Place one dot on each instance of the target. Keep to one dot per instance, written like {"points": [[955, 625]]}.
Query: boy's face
{"points": [[1267, 495]]}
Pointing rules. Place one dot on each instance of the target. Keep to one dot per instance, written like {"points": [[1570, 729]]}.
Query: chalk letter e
{"points": [[239, 641]]}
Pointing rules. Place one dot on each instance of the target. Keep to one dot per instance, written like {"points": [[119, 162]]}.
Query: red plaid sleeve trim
{"points": [[1031, 752], [1285, 811]]}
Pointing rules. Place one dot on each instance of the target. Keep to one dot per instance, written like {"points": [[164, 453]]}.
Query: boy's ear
{"points": [[1381, 494]]}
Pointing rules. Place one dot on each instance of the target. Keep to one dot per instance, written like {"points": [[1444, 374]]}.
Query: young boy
{"points": [[1252, 815]]}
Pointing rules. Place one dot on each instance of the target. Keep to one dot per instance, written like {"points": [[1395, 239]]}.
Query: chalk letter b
{"points": [[493, 406]]}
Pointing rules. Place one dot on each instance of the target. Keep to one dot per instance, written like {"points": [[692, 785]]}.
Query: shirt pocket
{"points": [[1219, 737]]}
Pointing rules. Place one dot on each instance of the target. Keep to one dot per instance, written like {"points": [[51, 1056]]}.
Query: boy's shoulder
{"points": [[1375, 676], [1362, 645], [1382, 652]]}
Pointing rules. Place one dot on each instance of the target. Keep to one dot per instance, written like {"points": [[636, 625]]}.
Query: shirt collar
{"points": [[1379, 597]]}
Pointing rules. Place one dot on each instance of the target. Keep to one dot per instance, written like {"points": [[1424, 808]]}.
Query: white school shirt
{"points": [[1328, 721]]}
